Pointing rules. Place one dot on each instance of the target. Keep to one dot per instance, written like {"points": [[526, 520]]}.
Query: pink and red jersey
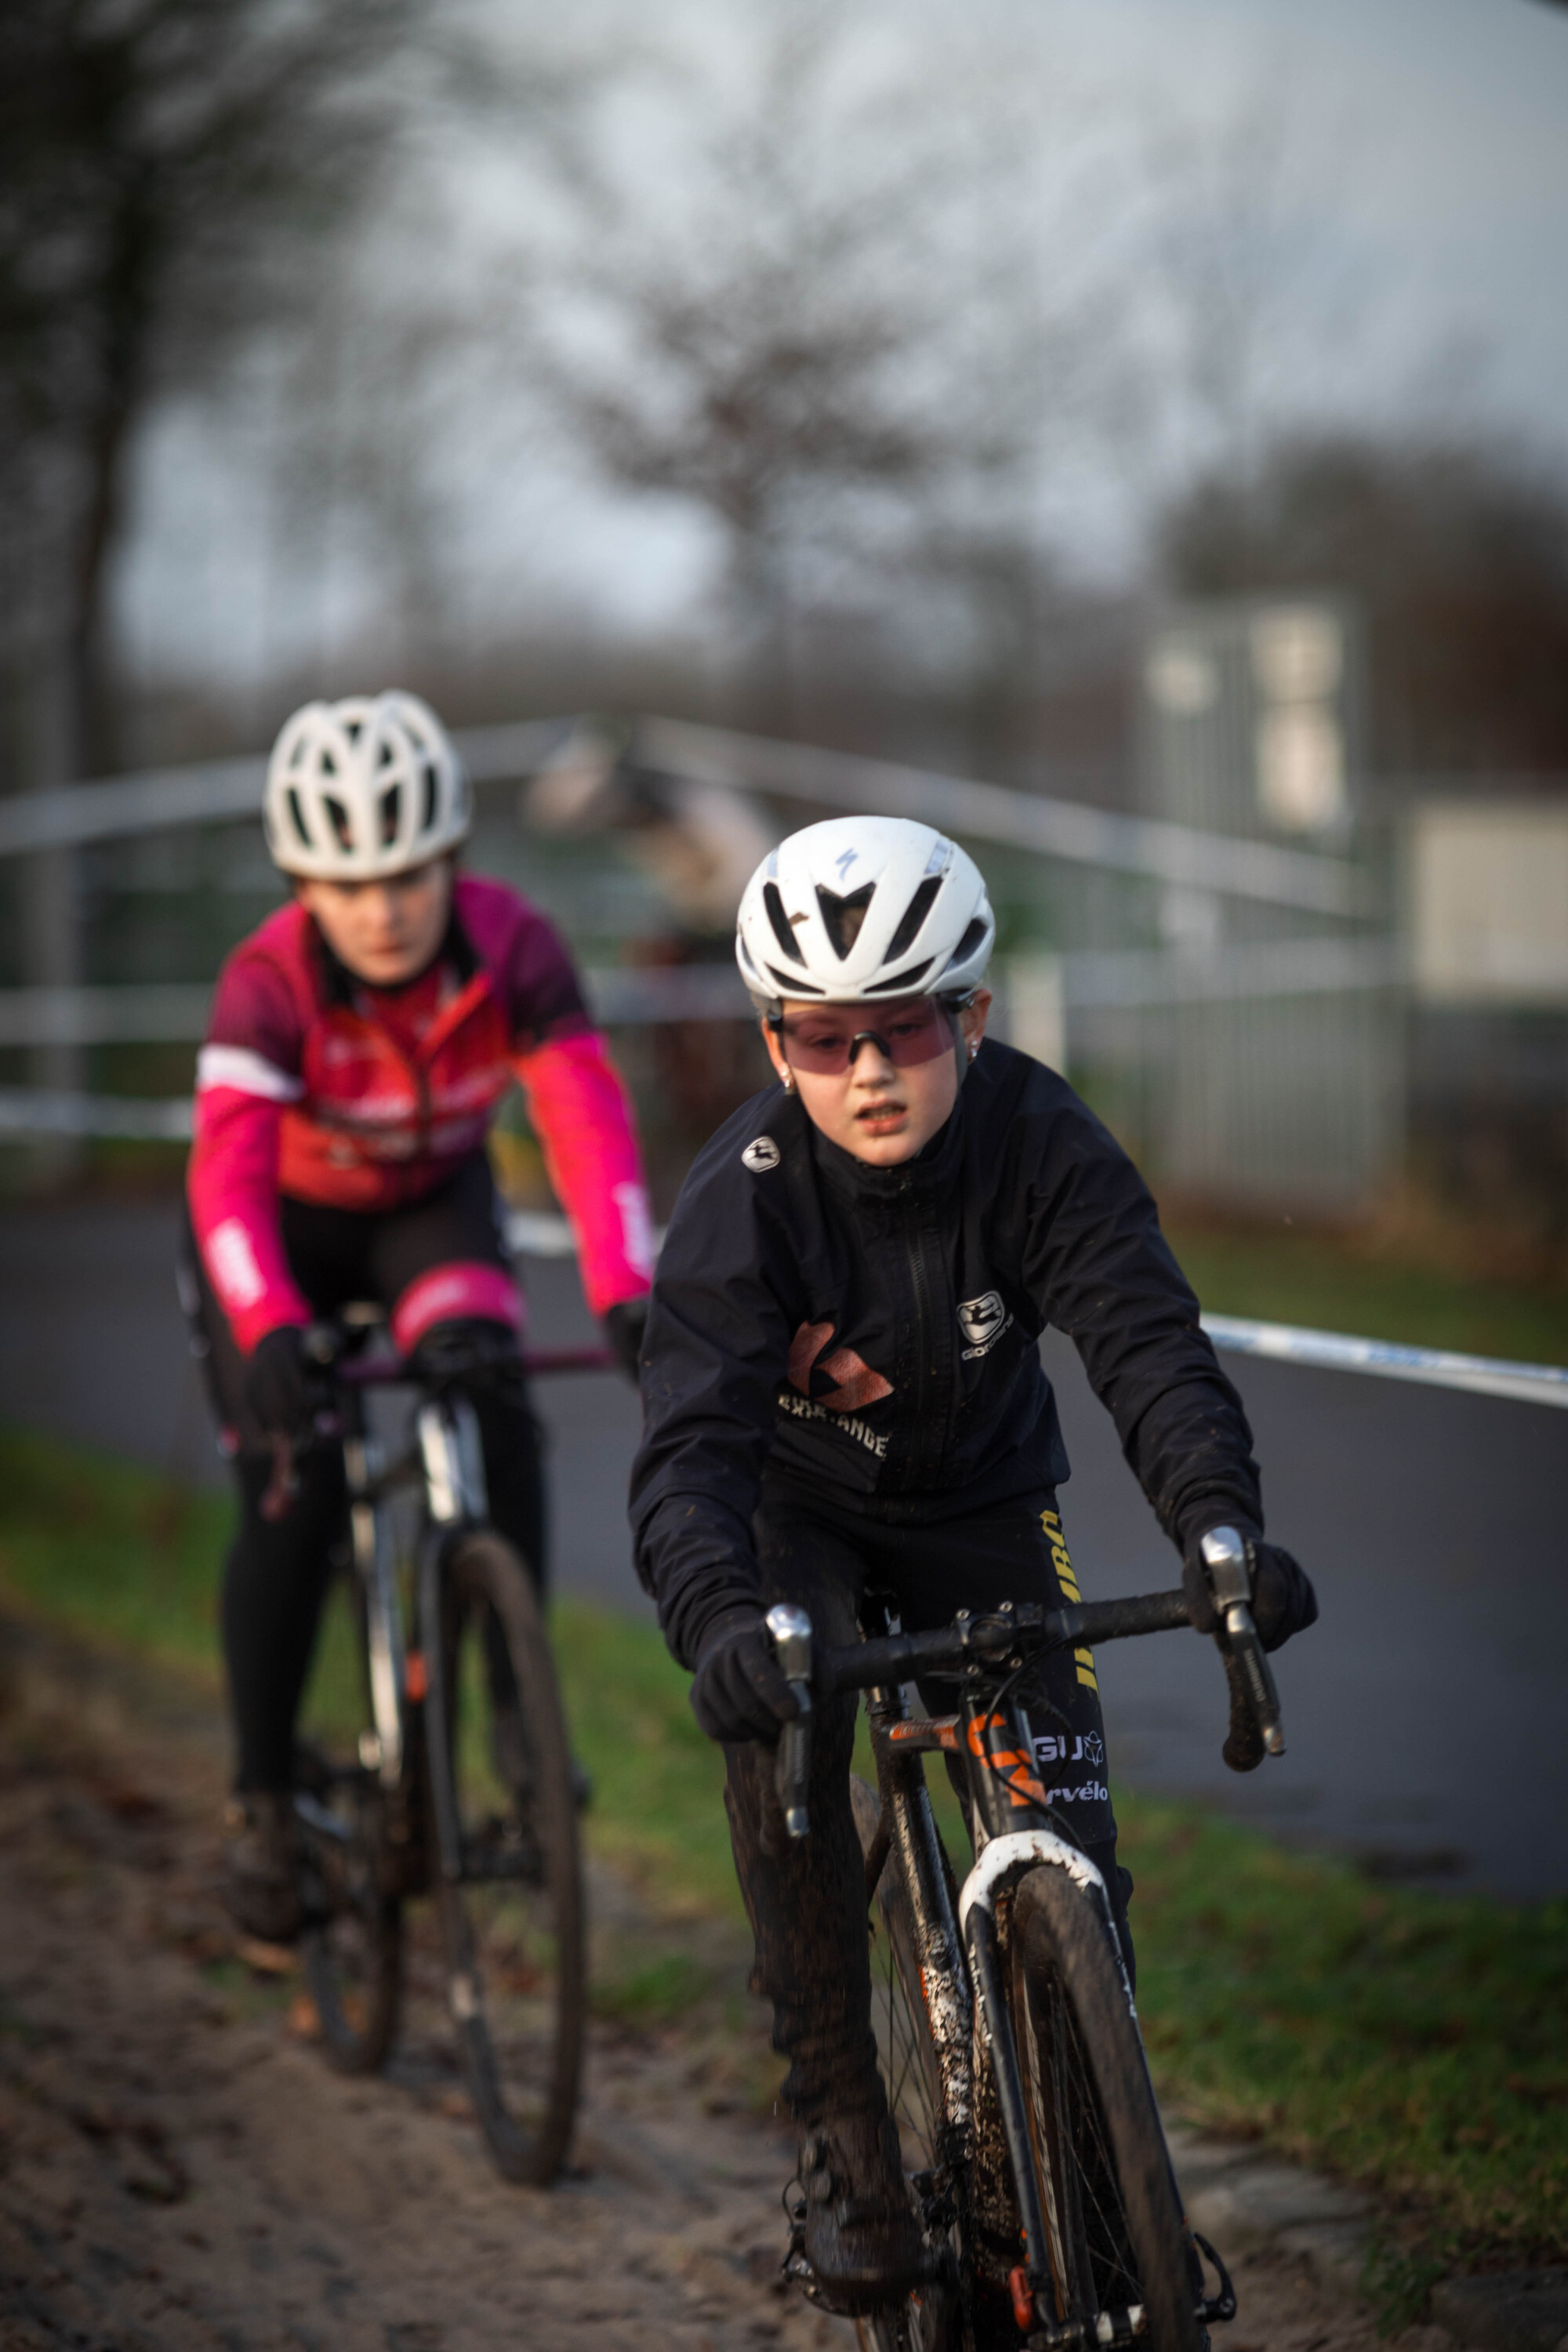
{"points": [[368, 1098]]}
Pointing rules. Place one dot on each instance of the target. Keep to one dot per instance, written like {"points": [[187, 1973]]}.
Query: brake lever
{"points": [[790, 1630], [322, 1343], [1255, 1724]]}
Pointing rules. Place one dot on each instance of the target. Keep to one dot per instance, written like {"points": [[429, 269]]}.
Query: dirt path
{"points": [[180, 2171]]}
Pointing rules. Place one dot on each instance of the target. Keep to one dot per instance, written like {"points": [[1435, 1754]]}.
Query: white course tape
{"points": [[545, 1237], [1284, 1343]]}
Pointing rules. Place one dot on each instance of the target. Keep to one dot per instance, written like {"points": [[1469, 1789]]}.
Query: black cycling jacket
{"points": [[873, 1331]]}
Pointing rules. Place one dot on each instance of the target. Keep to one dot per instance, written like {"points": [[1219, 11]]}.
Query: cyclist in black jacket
{"points": [[843, 1391]]}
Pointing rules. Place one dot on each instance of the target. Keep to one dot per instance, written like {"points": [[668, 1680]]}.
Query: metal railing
{"points": [[1277, 1050]]}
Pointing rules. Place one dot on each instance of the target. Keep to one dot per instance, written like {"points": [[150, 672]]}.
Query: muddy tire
{"points": [[513, 1920], [1114, 2225]]}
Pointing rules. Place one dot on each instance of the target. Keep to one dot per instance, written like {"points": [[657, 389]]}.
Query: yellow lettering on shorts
{"points": [[1051, 1528]]}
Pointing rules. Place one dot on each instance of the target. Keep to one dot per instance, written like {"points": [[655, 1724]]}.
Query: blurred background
{"points": [[1128, 435]]}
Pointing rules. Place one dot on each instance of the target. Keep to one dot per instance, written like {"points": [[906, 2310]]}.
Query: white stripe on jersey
{"points": [[247, 1072]]}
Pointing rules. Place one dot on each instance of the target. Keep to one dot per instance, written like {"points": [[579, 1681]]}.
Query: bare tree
{"points": [[800, 294], [167, 168]]}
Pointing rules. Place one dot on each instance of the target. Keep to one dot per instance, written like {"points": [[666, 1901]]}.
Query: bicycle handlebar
{"points": [[1010, 1635], [323, 1346], [538, 1364], [987, 1640]]}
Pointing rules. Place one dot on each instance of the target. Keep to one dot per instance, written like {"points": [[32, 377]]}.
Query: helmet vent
{"points": [[899, 979], [915, 913], [842, 918], [432, 793], [339, 818], [970, 942], [780, 921], [792, 986], [391, 809], [297, 813]]}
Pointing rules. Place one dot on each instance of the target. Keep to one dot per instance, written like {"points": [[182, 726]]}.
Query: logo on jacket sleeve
{"points": [[982, 1321], [762, 1155]]}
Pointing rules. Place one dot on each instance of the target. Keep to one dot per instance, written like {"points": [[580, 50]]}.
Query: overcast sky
{"points": [[1424, 147], [1442, 131]]}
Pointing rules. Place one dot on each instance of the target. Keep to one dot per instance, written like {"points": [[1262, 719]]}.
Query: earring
{"points": [[973, 1049], [789, 1079]]}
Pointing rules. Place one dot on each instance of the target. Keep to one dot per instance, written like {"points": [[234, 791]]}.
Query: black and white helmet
{"points": [[863, 907], [365, 788]]}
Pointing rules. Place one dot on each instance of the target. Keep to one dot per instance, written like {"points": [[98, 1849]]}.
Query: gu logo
{"points": [[982, 1321]]}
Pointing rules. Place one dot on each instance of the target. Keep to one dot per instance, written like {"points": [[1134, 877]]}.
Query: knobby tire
{"points": [[1115, 2226], [932, 2320], [352, 1946], [512, 1922]]}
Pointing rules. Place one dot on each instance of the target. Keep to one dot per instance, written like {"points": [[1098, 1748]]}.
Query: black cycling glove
{"points": [[1283, 1601], [738, 1691], [280, 1382], [624, 1324]]}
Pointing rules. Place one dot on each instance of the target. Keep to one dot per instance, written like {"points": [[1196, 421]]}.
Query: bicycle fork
{"points": [[456, 1499]]}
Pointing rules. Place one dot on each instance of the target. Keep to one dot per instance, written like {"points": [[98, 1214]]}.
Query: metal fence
{"points": [[1263, 1067]]}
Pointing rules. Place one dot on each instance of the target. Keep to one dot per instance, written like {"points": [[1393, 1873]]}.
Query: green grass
{"points": [[110, 1550], [1328, 1285], [1415, 2042]]}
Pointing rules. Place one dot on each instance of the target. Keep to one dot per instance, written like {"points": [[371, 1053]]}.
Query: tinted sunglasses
{"points": [[828, 1042]]}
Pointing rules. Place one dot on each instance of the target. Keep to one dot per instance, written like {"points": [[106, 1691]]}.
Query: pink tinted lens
{"points": [[908, 1034]]}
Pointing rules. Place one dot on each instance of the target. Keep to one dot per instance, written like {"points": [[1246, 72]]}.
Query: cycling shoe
{"points": [[859, 2238], [264, 1865]]}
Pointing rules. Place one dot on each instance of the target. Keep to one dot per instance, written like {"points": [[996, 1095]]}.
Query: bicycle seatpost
{"points": [[1255, 1703], [790, 1628]]}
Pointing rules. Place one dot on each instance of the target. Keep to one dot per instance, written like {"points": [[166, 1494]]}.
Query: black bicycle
{"points": [[1005, 2025], [444, 1770]]}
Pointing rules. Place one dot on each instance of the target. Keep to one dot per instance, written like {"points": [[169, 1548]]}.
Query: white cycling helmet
{"points": [[365, 788], [864, 906]]}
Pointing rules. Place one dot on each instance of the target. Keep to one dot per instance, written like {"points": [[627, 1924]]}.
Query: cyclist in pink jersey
{"points": [[359, 1044]]}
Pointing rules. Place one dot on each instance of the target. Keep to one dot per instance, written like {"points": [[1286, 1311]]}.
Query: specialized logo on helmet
{"points": [[982, 1321], [762, 1155]]}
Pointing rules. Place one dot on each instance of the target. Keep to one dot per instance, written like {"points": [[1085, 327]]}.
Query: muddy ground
{"points": [[180, 2171]]}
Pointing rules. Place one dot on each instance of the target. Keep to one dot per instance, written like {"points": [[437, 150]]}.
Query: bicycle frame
{"points": [[447, 1458]]}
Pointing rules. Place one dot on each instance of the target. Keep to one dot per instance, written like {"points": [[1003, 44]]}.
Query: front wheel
{"points": [[1118, 2241], [351, 1880], [511, 1911], [932, 2320]]}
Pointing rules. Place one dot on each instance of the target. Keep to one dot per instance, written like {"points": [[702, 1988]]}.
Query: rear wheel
{"points": [[1117, 2238], [513, 1922], [931, 2321]]}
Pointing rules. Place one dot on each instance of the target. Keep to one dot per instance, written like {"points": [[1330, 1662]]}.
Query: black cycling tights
{"points": [[278, 1571]]}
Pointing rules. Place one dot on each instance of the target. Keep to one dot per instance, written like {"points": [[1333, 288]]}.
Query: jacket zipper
{"points": [[914, 1243]]}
